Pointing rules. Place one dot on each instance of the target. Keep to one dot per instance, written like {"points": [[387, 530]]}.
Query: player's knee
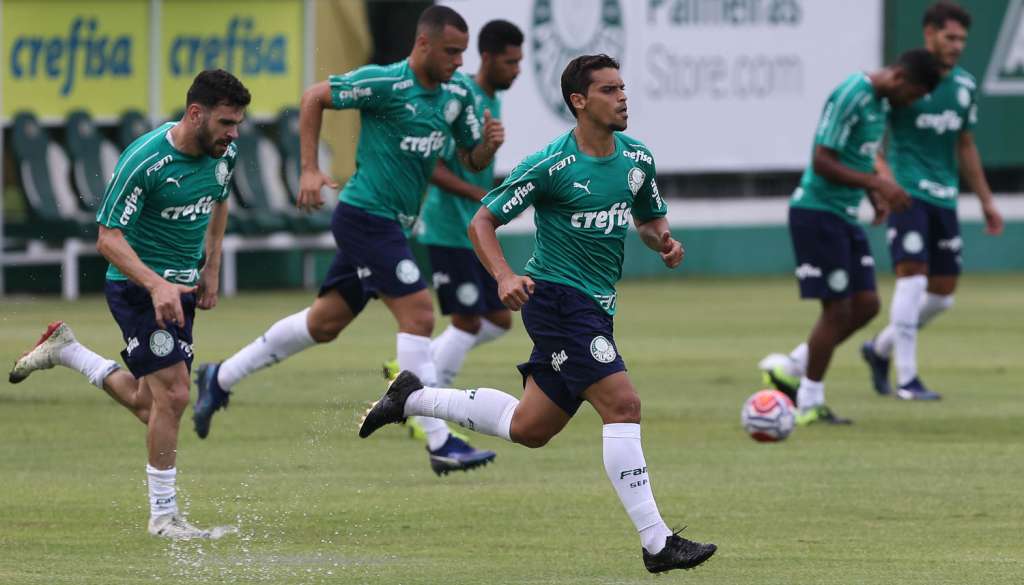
{"points": [[502, 319], [177, 397], [325, 330], [467, 323], [840, 314], [624, 409], [418, 322], [531, 437]]}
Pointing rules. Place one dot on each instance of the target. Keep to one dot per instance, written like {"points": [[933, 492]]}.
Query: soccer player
{"points": [[585, 187], [166, 201], [833, 259], [409, 111], [464, 289], [927, 140]]}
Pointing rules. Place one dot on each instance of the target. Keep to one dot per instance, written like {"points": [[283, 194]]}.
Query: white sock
{"points": [[285, 338], [87, 362], [162, 493], [449, 351], [884, 341], [488, 332], [484, 410], [414, 355], [931, 307], [627, 470], [904, 313], [810, 394], [799, 357]]}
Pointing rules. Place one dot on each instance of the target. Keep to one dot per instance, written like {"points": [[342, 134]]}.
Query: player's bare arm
{"points": [[826, 163], [657, 236], [513, 289], [449, 182], [209, 276], [493, 137], [974, 174], [166, 296], [315, 100]]}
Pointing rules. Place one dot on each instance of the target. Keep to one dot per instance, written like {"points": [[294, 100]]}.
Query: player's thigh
{"points": [[537, 418], [169, 386], [413, 312], [614, 398]]}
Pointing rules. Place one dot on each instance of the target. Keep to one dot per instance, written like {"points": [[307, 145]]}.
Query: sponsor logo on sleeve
{"points": [[518, 197]]}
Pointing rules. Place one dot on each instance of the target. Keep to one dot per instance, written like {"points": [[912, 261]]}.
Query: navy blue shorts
{"points": [[373, 258], [148, 347], [926, 233], [833, 256], [573, 346], [463, 285]]}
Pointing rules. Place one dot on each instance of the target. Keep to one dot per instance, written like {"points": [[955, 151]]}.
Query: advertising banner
{"points": [[69, 55], [260, 41], [713, 85]]}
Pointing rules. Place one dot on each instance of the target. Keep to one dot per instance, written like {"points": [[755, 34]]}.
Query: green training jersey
{"points": [[852, 124], [445, 216], [161, 199], [923, 138], [582, 209], [404, 128]]}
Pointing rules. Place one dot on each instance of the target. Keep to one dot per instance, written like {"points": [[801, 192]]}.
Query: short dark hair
{"points": [[922, 68], [576, 77], [940, 12], [435, 18], [214, 87], [498, 34]]}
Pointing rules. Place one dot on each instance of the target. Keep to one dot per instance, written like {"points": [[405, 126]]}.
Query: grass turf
{"points": [[910, 494]]}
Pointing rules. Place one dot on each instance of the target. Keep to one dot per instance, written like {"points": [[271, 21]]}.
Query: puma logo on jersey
{"points": [[585, 187], [411, 108], [618, 215], [177, 182]]}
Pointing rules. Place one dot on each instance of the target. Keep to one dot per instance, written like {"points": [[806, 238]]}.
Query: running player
{"points": [[927, 140], [833, 258], [585, 187], [464, 289], [166, 200], [409, 111]]}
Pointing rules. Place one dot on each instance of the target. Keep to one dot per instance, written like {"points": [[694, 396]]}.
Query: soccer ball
{"points": [[767, 416]]}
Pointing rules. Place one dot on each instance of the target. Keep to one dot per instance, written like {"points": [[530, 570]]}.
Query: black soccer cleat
{"points": [[679, 553], [879, 367], [391, 407], [210, 399]]}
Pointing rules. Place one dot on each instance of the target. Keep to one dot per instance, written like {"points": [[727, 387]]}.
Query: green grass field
{"points": [[911, 494]]}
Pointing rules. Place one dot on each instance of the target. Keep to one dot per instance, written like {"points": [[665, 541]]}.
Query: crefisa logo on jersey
{"points": [[565, 29]]}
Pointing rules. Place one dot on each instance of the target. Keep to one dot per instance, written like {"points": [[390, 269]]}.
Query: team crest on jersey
{"points": [[161, 343], [407, 272], [838, 280], [602, 349], [222, 173], [452, 110], [636, 180]]}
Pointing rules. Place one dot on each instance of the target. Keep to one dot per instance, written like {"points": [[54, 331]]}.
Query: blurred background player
{"points": [[930, 142], [409, 111], [833, 257], [585, 186], [166, 200], [465, 291]]}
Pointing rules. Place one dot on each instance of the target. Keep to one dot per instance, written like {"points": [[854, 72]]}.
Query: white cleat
{"points": [[177, 528], [774, 360], [46, 352]]}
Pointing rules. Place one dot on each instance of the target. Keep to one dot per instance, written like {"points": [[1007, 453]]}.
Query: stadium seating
{"points": [[93, 159]]}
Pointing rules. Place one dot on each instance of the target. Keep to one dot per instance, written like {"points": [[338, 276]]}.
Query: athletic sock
{"points": [[87, 362], [907, 300], [484, 410], [162, 493], [627, 470], [810, 394], [285, 338], [799, 357], [414, 355], [931, 307], [449, 351], [488, 332]]}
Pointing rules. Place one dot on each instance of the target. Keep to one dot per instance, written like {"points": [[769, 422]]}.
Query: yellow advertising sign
{"points": [[92, 55], [260, 41]]}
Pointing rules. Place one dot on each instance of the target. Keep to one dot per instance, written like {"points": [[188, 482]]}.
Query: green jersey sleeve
{"points": [[972, 113], [468, 126], [648, 204], [366, 88], [519, 190], [126, 192], [838, 117]]}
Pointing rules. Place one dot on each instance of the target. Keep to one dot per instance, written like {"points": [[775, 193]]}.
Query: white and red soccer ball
{"points": [[768, 416]]}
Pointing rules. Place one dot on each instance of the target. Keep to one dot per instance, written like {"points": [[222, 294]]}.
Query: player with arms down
{"points": [[585, 187], [166, 201]]}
